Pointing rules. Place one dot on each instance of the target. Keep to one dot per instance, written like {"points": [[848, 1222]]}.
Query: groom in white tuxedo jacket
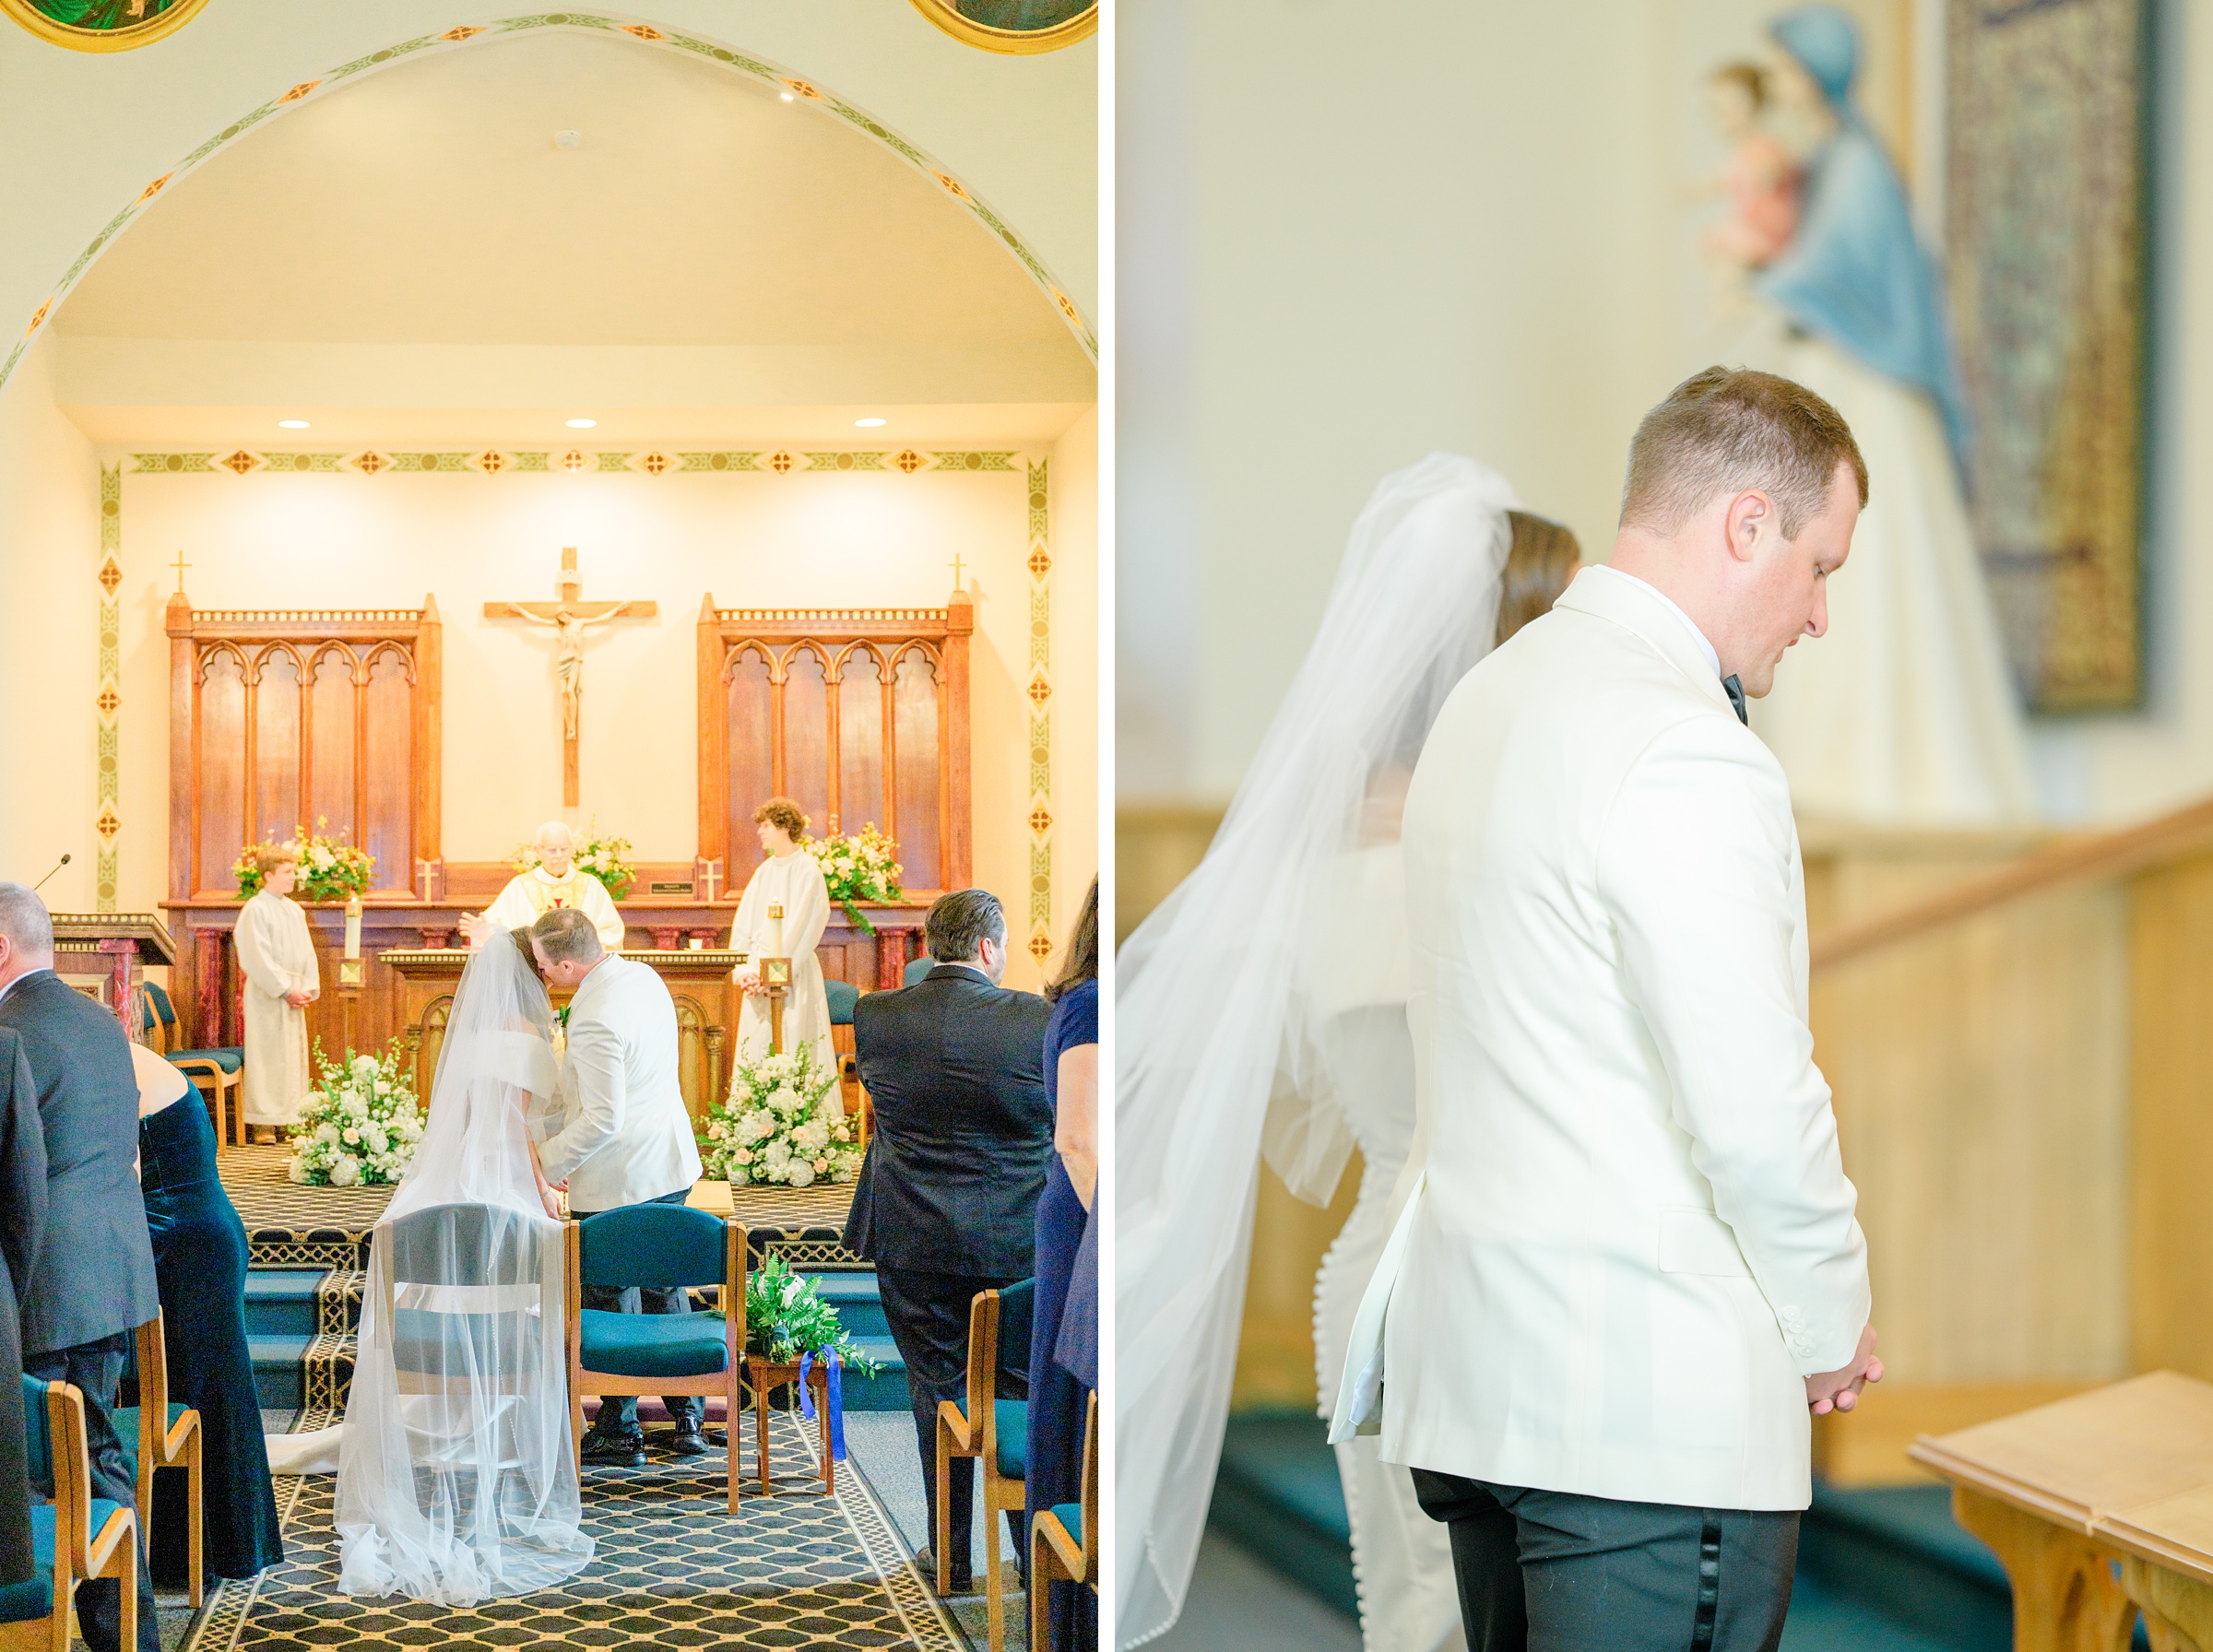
{"points": [[625, 1138], [1628, 1265]]}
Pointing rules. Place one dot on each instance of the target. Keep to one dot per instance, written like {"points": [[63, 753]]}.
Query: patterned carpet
{"points": [[798, 1569], [289, 1226]]}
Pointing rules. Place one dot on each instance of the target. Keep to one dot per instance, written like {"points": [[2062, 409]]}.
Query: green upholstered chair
{"points": [[842, 995], [1062, 1539], [994, 1430], [76, 1536], [159, 1433], [217, 1071], [657, 1247], [915, 969]]}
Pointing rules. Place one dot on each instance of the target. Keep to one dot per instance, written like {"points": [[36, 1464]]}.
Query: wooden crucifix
{"points": [[569, 616]]}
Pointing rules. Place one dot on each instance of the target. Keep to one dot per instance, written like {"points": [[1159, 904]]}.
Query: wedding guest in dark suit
{"points": [[200, 1268], [1065, 1318], [93, 1281], [22, 1213], [946, 1201]]}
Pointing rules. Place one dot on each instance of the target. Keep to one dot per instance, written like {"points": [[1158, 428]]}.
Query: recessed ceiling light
{"points": [[291, 424], [787, 96], [568, 137], [868, 424], [582, 424]]}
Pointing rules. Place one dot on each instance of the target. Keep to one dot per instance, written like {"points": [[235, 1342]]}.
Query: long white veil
{"points": [[457, 1482], [1215, 1050]]}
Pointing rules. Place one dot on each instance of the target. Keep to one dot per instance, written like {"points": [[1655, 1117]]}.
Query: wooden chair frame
{"points": [[727, 1382], [80, 1552], [972, 1430], [166, 1445], [423, 1382], [221, 1088], [1057, 1554]]}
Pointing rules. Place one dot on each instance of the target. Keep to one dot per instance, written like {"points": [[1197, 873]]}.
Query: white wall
{"points": [[1347, 240], [848, 540], [83, 132], [49, 564]]}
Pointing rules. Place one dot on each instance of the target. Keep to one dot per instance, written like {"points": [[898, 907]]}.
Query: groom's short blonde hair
{"points": [[566, 936], [1729, 431]]}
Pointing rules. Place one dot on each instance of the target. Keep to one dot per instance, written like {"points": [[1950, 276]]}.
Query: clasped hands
{"points": [[301, 998], [1840, 1390], [748, 982]]}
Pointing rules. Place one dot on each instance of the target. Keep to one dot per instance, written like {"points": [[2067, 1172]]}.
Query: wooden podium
{"points": [[105, 955], [699, 980], [2101, 1507]]}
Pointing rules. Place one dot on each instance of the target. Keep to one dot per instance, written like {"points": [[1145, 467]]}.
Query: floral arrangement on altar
{"points": [[360, 1126], [330, 868], [784, 1318], [858, 869], [606, 858], [777, 1125]]}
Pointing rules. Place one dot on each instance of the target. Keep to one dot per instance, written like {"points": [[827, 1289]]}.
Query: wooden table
{"points": [[2101, 1507], [768, 1373]]}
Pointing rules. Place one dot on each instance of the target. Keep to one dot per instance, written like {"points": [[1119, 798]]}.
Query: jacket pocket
{"points": [[1698, 1242]]}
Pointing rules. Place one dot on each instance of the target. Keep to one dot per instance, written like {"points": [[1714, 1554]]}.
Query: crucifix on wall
{"points": [[569, 616]]}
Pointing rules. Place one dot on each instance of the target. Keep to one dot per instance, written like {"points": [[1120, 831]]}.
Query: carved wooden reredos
{"points": [[856, 714], [280, 718]]}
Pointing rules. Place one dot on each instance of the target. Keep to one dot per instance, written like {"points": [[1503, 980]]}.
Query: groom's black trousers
{"points": [[617, 1413], [1555, 1572]]}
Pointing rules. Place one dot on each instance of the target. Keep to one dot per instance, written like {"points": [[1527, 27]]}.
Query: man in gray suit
{"points": [[93, 1280]]}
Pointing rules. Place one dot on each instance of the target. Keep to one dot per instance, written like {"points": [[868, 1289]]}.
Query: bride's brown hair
{"points": [[1542, 558]]}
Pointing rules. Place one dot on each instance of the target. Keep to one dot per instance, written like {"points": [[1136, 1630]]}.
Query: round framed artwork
{"points": [[102, 25], [1015, 26]]}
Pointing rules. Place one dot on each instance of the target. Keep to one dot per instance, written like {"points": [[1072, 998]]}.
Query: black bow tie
{"points": [[1735, 690]]}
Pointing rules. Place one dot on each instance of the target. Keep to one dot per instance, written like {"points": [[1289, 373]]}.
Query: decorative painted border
{"points": [[778, 461], [1040, 690], [646, 34], [374, 461], [106, 766]]}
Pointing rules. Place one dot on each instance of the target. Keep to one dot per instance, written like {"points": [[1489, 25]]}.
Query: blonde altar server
{"points": [[792, 879], [1264, 1013], [555, 882], [276, 956]]}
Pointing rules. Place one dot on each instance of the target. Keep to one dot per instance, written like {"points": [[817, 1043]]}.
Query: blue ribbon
{"points": [[836, 1399]]}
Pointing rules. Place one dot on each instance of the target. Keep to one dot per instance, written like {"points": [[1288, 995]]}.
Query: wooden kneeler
{"points": [[1058, 1554]]}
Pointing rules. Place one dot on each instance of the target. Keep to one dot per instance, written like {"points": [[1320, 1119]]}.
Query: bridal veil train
{"points": [[1263, 1006], [457, 1481]]}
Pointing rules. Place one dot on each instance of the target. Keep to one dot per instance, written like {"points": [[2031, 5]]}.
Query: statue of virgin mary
{"points": [[1906, 714]]}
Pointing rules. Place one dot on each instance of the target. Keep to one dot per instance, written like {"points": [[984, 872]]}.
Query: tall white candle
{"points": [[775, 932], [353, 927]]}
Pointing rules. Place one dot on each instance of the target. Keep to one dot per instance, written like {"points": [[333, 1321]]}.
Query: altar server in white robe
{"points": [[792, 879], [1264, 1010], [276, 956], [555, 882]]}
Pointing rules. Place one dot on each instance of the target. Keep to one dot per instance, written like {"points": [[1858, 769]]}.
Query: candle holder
{"points": [[776, 981]]}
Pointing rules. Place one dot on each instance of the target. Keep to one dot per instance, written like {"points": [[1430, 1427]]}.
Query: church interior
{"points": [[420, 425], [2010, 1009]]}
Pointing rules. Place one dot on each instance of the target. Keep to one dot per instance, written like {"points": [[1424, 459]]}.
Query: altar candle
{"points": [[353, 927], [775, 932]]}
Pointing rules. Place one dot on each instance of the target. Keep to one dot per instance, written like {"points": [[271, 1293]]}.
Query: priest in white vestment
{"points": [[792, 879], [277, 955], [555, 882]]}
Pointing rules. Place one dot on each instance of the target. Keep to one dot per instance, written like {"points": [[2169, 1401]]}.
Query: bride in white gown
{"points": [[456, 1479], [1263, 1007]]}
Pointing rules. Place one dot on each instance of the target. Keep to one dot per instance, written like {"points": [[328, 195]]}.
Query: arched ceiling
{"points": [[702, 231]]}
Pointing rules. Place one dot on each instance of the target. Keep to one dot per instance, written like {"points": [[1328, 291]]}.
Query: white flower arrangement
{"points": [[780, 1123], [358, 1126], [858, 869], [606, 858]]}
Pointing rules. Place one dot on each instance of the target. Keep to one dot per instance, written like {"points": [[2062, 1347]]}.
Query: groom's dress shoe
{"points": [[615, 1451], [688, 1442]]}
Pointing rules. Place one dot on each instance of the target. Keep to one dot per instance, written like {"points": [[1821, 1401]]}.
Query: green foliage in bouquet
{"points": [[785, 1318], [330, 868], [779, 1125], [858, 869], [606, 858], [360, 1126]]}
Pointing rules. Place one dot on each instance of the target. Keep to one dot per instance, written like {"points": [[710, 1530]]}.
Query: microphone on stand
{"points": [[57, 866]]}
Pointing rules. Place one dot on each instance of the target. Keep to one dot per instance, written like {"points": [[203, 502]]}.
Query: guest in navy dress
{"points": [[1064, 1331], [200, 1270]]}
